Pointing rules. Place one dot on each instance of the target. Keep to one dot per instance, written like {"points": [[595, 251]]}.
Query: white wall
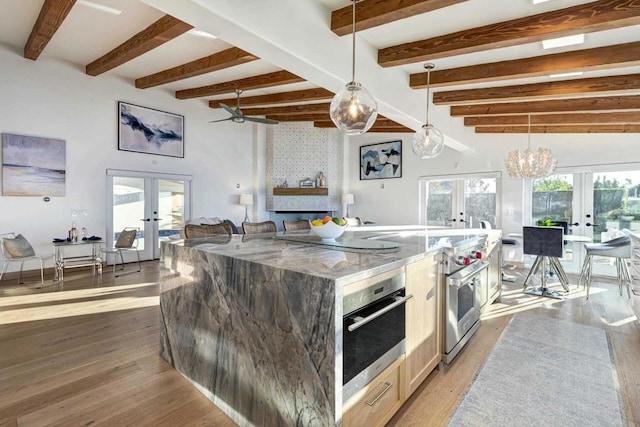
{"points": [[397, 202], [55, 99]]}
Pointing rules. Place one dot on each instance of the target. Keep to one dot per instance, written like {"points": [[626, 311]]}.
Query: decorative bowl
{"points": [[329, 231]]}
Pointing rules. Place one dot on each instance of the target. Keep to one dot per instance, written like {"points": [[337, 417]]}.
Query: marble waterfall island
{"points": [[255, 323]]}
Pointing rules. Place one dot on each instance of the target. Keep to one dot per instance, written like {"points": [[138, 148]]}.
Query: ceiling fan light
{"points": [[427, 142], [353, 110]]}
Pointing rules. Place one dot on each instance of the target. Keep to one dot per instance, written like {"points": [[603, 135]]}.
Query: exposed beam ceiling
{"points": [[599, 85], [218, 61], [600, 58], [595, 16], [278, 98], [561, 129], [622, 117], [383, 127], [254, 82], [555, 105], [156, 34], [289, 109], [373, 13], [51, 16], [323, 117]]}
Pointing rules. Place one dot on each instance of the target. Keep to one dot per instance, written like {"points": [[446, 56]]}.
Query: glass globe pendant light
{"points": [[353, 110], [428, 142]]}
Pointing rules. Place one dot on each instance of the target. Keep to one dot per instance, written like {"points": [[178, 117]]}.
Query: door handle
{"points": [[364, 320], [588, 224], [575, 224], [156, 219], [145, 219]]}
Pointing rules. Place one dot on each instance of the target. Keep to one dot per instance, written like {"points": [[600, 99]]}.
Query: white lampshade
{"points": [[246, 199], [347, 199]]}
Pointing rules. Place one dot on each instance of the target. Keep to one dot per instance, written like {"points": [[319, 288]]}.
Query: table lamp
{"points": [[347, 199], [246, 200]]}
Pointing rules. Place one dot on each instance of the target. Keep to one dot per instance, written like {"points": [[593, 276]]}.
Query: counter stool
{"points": [[618, 248]]}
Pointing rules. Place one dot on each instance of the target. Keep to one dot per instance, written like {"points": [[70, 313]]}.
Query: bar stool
{"points": [[618, 248]]}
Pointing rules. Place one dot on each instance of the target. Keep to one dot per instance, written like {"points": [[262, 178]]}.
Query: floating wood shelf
{"points": [[300, 191]]}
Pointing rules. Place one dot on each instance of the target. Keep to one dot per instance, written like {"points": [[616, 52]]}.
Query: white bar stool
{"points": [[618, 248]]}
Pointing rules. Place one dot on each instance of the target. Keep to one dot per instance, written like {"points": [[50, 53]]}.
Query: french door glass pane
{"points": [[128, 205], [553, 198], [439, 202], [616, 202], [170, 207], [480, 201]]}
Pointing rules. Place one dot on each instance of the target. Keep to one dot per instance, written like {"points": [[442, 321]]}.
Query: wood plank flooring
{"points": [[86, 353]]}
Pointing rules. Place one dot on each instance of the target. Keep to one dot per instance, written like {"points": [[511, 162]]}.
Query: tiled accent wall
{"points": [[296, 151]]}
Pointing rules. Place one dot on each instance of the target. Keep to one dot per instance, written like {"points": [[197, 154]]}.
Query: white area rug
{"points": [[544, 372]]}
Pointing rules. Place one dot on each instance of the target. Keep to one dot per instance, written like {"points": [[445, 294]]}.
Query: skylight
{"points": [[99, 7], [572, 74], [563, 41]]}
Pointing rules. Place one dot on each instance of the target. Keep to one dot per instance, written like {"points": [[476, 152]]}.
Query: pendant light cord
{"points": [[529, 131], [428, 81], [353, 42]]}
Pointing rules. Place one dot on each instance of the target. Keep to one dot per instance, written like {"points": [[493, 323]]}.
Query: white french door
{"points": [[595, 204], [157, 204], [460, 201]]}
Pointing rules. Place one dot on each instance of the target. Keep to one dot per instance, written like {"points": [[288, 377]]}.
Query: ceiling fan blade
{"points": [[260, 120], [228, 109], [221, 120]]}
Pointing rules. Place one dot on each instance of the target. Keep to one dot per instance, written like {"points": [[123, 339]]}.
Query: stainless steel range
{"points": [[462, 266]]}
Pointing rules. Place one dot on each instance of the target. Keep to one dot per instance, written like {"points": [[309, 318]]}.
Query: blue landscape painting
{"points": [[150, 131], [33, 166], [378, 161]]}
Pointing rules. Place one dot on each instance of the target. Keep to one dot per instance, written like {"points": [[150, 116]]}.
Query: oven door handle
{"points": [[457, 279], [363, 321]]}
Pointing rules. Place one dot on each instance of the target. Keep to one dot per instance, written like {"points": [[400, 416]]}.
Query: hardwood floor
{"points": [[86, 353]]}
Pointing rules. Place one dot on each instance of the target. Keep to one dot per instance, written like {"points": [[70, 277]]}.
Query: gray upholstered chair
{"points": [[127, 242], [302, 224], [15, 248], [259, 227], [194, 231], [618, 248]]}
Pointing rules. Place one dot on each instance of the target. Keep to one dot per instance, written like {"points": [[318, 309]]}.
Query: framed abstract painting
{"points": [[149, 131], [382, 160]]}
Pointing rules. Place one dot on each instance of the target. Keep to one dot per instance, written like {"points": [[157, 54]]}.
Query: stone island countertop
{"points": [[255, 323]]}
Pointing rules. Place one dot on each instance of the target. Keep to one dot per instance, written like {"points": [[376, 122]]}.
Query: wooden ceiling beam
{"points": [[599, 58], [52, 14], [561, 129], [585, 18], [254, 82], [378, 126], [156, 34], [600, 85], [554, 105], [218, 61], [306, 95], [373, 13], [300, 117], [287, 109], [620, 118]]}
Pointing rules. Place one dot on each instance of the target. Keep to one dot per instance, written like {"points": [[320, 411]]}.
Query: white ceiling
{"points": [[273, 28]]}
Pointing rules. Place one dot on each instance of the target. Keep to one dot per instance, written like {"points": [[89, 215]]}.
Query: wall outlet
{"points": [[381, 185], [237, 185]]}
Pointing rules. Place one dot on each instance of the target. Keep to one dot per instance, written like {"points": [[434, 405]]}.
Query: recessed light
{"points": [[200, 33], [572, 74], [563, 41], [99, 7]]}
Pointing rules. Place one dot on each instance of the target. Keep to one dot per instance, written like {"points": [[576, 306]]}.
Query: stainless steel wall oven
{"points": [[373, 331]]}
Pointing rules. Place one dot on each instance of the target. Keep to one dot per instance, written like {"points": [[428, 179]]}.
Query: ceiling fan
{"points": [[237, 116]]}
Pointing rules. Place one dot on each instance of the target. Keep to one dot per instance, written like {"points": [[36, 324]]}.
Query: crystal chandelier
{"points": [[353, 110], [428, 142], [531, 164]]}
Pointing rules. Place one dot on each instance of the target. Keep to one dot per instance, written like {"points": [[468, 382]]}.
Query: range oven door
{"points": [[373, 337], [462, 298]]}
